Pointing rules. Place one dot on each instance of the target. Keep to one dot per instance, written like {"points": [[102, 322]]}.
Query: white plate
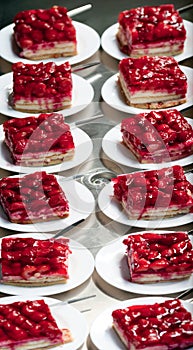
{"points": [[114, 149], [82, 95], [102, 334], [66, 316], [81, 266], [83, 149], [111, 208], [112, 96], [116, 272], [110, 45], [87, 38], [81, 203]]}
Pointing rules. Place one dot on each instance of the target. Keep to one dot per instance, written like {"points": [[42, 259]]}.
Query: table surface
{"points": [[97, 230]]}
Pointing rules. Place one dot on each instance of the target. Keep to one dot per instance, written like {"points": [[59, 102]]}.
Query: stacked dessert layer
{"points": [[154, 194], [38, 141], [152, 82], [42, 87], [27, 325], [158, 136], [165, 325], [33, 198], [34, 262], [151, 30], [45, 33], [155, 257]]}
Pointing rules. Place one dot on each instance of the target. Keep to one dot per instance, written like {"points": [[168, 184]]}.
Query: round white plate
{"points": [[81, 203], [112, 96], [102, 334], [111, 208], [83, 149], [65, 315], [81, 266], [87, 38], [82, 95], [111, 47], [113, 147], [116, 271]]}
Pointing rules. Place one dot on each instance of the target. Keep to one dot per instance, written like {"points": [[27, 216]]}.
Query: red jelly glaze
{"points": [[47, 132], [26, 257], [142, 190], [160, 253], [25, 321], [166, 324], [151, 24], [43, 26], [33, 196], [153, 73], [41, 80], [152, 132]]}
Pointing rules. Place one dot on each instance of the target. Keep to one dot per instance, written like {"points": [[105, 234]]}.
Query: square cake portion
{"points": [[160, 326], [154, 194], [34, 262], [155, 257], [39, 141], [41, 87], [151, 30], [29, 324], [152, 82], [45, 33], [157, 137], [33, 198]]}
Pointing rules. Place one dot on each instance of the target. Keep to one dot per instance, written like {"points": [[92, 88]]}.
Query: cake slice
{"points": [[160, 326], [152, 82], [45, 33], [41, 87], [34, 262], [154, 194], [157, 137], [155, 257], [151, 30], [33, 198], [27, 325], [39, 141]]}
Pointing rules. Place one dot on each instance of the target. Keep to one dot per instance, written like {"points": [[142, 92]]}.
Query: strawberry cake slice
{"points": [[154, 194], [45, 33], [34, 262], [151, 30], [39, 140], [159, 257], [160, 326], [27, 325], [158, 136], [33, 198], [41, 87], [152, 82]]}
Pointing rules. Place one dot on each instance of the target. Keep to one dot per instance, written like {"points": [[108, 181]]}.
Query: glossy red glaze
{"points": [[34, 197], [158, 136], [161, 256], [26, 258], [43, 26], [159, 74], [34, 135], [41, 80], [151, 190], [27, 321], [166, 324]]}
